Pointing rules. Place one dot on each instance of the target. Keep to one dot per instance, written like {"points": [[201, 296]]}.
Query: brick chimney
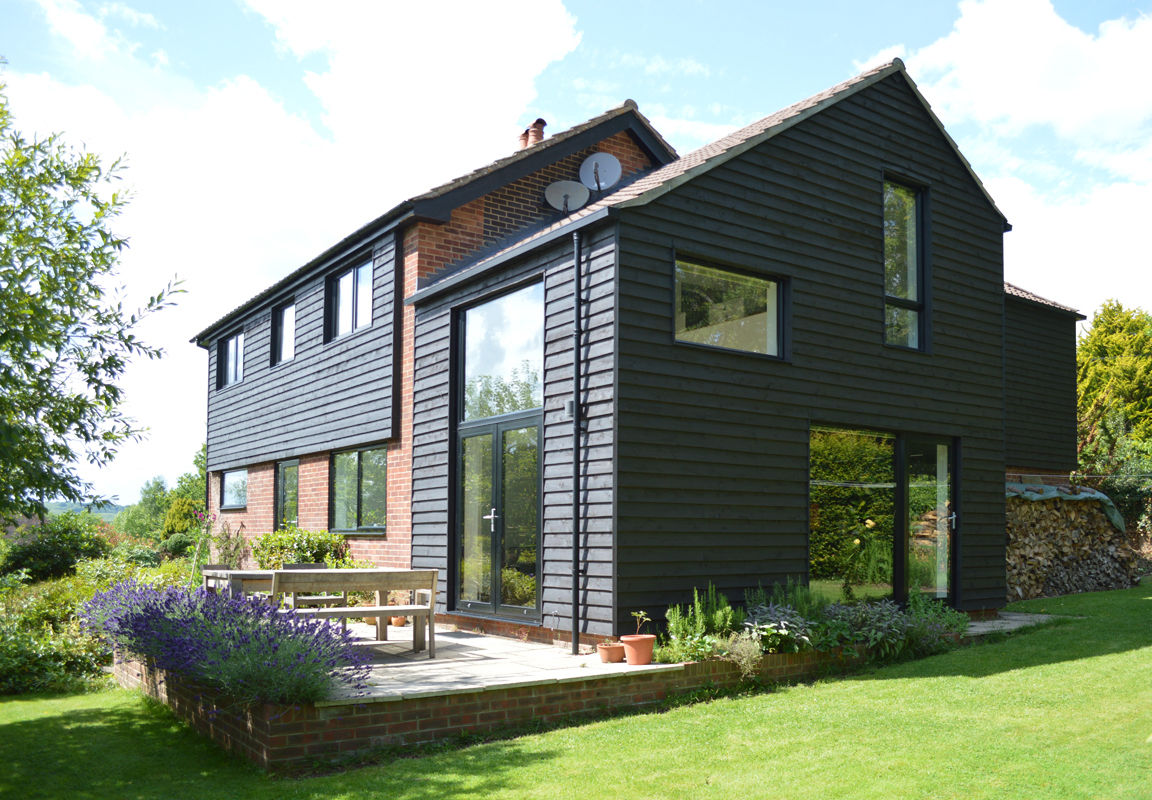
{"points": [[536, 131], [523, 139]]}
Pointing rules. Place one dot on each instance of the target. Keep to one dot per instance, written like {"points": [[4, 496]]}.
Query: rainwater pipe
{"points": [[577, 425]]}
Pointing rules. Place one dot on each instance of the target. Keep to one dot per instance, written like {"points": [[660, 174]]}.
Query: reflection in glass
{"points": [[901, 267], [852, 495], [288, 493], [363, 296], [520, 505], [476, 532], [344, 295], [235, 489], [725, 309], [929, 518], [504, 354], [344, 491], [373, 488], [901, 326]]}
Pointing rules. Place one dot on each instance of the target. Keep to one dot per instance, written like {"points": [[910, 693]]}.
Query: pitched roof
{"points": [[1015, 291]]}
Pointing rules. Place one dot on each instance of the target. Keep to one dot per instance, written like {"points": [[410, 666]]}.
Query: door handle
{"points": [[491, 517]]}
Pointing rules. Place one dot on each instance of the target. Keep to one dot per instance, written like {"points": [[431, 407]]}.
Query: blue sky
{"points": [[258, 132]]}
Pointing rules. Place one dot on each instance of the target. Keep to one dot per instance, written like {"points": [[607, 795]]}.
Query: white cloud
{"points": [[882, 57], [659, 65], [137, 19], [86, 34]]}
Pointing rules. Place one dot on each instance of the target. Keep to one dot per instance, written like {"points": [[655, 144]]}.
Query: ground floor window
{"points": [[360, 490], [287, 493], [881, 518], [234, 489]]}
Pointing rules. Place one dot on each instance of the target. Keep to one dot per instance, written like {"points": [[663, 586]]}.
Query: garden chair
{"points": [[316, 600]]}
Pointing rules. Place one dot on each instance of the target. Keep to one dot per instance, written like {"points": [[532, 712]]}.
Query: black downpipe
{"points": [[576, 426]]}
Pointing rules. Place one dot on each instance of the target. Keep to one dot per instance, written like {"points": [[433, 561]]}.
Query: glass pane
{"points": [[287, 333], [475, 531], [363, 296], [344, 491], [289, 494], [901, 326], [344, 297], [852, 500], [725, 309], [373, 488], [520, 505], [235, 491], [901, 267], [929, 518], [239, 356], [504, 354]]}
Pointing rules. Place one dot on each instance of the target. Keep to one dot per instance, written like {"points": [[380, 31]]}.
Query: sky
{"points": [[256, 133]]}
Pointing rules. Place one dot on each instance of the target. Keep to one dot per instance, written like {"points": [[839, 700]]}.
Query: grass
{"points": [[1059, 712]]}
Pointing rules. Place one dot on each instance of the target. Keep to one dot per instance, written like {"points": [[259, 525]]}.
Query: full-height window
{"points": [[360, 490], [504, 354], [287, 493], [350, 301], [727, 309], [903, 266], [230, 361], [284, 334], [234, 489]]}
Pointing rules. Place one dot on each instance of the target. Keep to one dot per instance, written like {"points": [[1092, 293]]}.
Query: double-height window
{"points": [[360, 490], [904, 272], [234, 489], [727, 309], [283, 334], [230, 360], [349, 300]]}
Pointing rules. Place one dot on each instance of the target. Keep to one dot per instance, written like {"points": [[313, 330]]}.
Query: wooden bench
{"points": [[419, 582]]}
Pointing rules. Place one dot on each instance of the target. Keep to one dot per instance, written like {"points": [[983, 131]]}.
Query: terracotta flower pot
{"points": [[399, 622], [610, 652], [638, 648]]}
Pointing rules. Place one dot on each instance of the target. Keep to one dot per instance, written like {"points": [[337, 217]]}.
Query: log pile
{"points": [[1060, 546]]}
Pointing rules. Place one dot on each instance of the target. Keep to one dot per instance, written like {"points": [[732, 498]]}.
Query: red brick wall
{"points": [[257, 516]]}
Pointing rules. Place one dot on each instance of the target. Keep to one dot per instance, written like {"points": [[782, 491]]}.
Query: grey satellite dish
{"points": [[566, 195], [600, 171]]}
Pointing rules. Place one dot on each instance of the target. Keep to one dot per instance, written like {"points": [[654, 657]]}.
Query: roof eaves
{"points": [[1017, 293]]}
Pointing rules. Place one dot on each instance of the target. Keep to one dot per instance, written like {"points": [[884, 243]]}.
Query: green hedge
{"points": [[294, 545]]}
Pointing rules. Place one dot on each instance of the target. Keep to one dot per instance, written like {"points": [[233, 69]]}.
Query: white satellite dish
{"points": [[566, 195], [600, 171]]}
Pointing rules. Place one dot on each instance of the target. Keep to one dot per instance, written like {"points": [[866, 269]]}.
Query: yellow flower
{"points": [[856, 541], [869, 523]]}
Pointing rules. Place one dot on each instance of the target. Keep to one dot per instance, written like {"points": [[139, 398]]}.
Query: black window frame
{"points": [[923, 272], [229, 371], [278, 523], [223, 482], [278, 330], [332, 299], [373, 530], [782, 305]]}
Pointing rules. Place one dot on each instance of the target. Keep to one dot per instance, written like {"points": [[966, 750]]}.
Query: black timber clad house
{"points": [[450, 402]]}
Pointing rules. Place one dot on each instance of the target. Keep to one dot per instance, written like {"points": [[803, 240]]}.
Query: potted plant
{"points": [[610, 652], [638, 647], [398, 598]]}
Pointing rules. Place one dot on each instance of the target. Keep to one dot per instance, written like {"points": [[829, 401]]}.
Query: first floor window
{"points": [[287, 493], [284, 334], [230, 361], [234, 489], [360, 489], [903, 266], [350, 301], [732, 310]]}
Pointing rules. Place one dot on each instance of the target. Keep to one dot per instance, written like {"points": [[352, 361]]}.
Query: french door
{"points": [[498, 517], [931, 516]]}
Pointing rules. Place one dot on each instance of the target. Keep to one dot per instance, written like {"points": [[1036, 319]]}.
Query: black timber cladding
{"points": [[434, 428], [1040, 386], [331, 395], [712, 446]]}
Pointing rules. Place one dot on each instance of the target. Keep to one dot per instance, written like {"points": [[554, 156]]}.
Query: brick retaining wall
{"points": [[287, 738]]}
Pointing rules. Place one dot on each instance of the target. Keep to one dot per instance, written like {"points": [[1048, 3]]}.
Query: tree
{"points": [[146, 518], [193, 485], [64, 339]]}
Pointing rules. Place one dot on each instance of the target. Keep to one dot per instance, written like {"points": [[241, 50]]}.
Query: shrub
{"points": [[295, 545], [699, 631], [879, 625], [46, 660], [51, 549], [136, 553], [178, 544], [932, 626], [242, 647], [778, 628], [181, 516], [745, 651]]}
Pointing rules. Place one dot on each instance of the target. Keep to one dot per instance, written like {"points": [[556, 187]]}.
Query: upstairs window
{"points": [[283, 334], [230, 361], [903, 266], [234, 489], [360, 490], [350, 301], [731, 310]]}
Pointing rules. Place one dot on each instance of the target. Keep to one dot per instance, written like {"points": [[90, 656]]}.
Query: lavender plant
{"points": [[244, 648]]}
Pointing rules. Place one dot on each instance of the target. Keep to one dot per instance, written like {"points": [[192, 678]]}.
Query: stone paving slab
{"points": [[1007, 622]]}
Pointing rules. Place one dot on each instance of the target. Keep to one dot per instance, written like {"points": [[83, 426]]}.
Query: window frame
{"points": [[223, 493], [230, 367], [919, 305], [782, 285], [332, 299], [278, 523], [371, 530], [278, 331]]}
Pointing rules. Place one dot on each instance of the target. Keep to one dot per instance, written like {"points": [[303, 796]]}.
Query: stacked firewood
{"points": [[1063, 546]]}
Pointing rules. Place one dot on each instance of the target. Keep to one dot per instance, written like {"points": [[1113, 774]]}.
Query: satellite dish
{"points": [[566, 195], [600, 171]]}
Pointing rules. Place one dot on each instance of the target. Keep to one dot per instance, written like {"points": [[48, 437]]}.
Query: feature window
{"points": [[360, 490], [903, 266], [287, 493], [234, 489], [350, 301], [230, 361], [284, 334], [731, 310]]}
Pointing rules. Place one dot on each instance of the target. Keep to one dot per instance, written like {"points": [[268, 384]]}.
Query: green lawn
{"points": [[1063, 711]]}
